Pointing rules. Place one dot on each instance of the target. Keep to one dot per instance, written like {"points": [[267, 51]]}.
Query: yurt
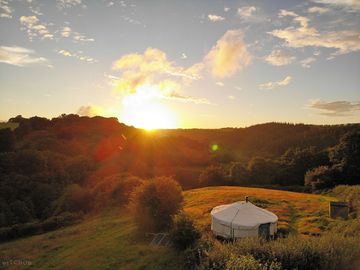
{"points": [[242, 219]]}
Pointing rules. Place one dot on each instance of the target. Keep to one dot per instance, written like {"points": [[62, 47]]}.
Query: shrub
{"points": [[116, 188], [331, 251], [74, 199], [155, 201], [125, 188], [65, 219], [183, 234]]}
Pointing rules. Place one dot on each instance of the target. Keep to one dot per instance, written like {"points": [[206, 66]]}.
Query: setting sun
{"points": [[143, 111]]}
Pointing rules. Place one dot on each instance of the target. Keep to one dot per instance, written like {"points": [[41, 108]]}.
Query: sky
{"points": [[182, 64]]}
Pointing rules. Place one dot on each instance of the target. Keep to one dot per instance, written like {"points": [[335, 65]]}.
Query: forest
{"points": [[53, 171]]}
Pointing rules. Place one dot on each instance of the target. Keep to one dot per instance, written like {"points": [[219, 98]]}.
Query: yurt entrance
{"points": [[264, 230]]}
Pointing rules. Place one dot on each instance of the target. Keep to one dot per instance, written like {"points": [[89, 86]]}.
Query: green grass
{"points": [[110, 239], [106, 241], [12, 126]]}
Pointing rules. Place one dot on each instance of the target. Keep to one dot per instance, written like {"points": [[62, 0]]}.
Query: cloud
{"points": [[66, 31], [21, 57], [307, 61], [81, 38], [183, 56], [335, 108], [5, 9], [34, 28], [226, 9], [90, 111], [153, 75], [246, 12], [78, 56], [221, 84], [319, 10], [272, 85], [303, 36], [279, 58], [228, 55], [351, 5], [215, 18], [61, 4]]}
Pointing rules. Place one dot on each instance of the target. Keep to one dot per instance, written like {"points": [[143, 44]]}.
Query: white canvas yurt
{"points": [[242, 219]]}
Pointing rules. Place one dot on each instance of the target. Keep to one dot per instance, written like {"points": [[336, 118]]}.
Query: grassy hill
{"points": [[110, 240]]}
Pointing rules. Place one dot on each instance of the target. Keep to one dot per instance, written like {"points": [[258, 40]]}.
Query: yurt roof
{"points": [[242, 214]]}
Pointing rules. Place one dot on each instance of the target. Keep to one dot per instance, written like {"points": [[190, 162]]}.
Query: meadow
{"points": [[110, 239]]}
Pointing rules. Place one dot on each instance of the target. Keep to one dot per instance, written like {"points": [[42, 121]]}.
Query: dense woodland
{"points": [[51, 170]]}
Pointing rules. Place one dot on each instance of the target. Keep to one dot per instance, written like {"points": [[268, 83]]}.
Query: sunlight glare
{"points": [[143, 110]]}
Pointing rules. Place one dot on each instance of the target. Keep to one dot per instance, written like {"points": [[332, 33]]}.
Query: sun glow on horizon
{"points": [[143, 110]]}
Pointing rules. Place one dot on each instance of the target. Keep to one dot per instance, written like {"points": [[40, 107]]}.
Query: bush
{"points": [[331, 251], [183, 234], [155, 202], [116, 189], [74, 199], [65, 219], [31, 228]]}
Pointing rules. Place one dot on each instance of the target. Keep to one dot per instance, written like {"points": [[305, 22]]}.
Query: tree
{"points": [[321, 177], [239, 174], [155, 202], [297, 161], [213, 176], [262, 171], [183, 233], [346, 155], [74, 199], [7, 140]]}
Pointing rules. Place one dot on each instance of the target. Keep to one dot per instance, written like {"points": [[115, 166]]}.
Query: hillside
{"points": [[110, 241]]}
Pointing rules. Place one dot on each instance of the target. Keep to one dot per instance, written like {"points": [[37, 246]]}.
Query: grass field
{"points": [[110, 240], [297, 212]]}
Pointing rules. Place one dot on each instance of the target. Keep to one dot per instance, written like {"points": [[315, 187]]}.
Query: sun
{"points": [[144, 110]]}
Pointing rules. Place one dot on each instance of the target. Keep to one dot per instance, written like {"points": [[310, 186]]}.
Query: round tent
{"points": [[242, 219]]}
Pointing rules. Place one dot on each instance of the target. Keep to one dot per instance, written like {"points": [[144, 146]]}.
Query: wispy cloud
{"points": [[67, 32], [61, 4], [5, 9], [90, 111], [215, 18], [272, 85], [228, 55], [247, 12], [306, 63], [34, 28], [279, 58], [335, 108], [303, 36], [319, 10], [351, 5], [79, 55], [221, 84], [19, 56]]}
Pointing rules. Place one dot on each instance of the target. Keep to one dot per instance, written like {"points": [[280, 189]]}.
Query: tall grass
{"points": [[334, 250]]}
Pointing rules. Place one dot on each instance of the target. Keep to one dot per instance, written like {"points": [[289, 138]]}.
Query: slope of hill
{"points": [[110, 240], [298, 212]]}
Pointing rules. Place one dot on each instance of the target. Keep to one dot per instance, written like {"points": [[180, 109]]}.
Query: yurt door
{"points": [[264, 230]]}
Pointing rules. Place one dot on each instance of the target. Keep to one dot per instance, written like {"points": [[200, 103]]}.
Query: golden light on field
{"points": [[143, 109]]}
